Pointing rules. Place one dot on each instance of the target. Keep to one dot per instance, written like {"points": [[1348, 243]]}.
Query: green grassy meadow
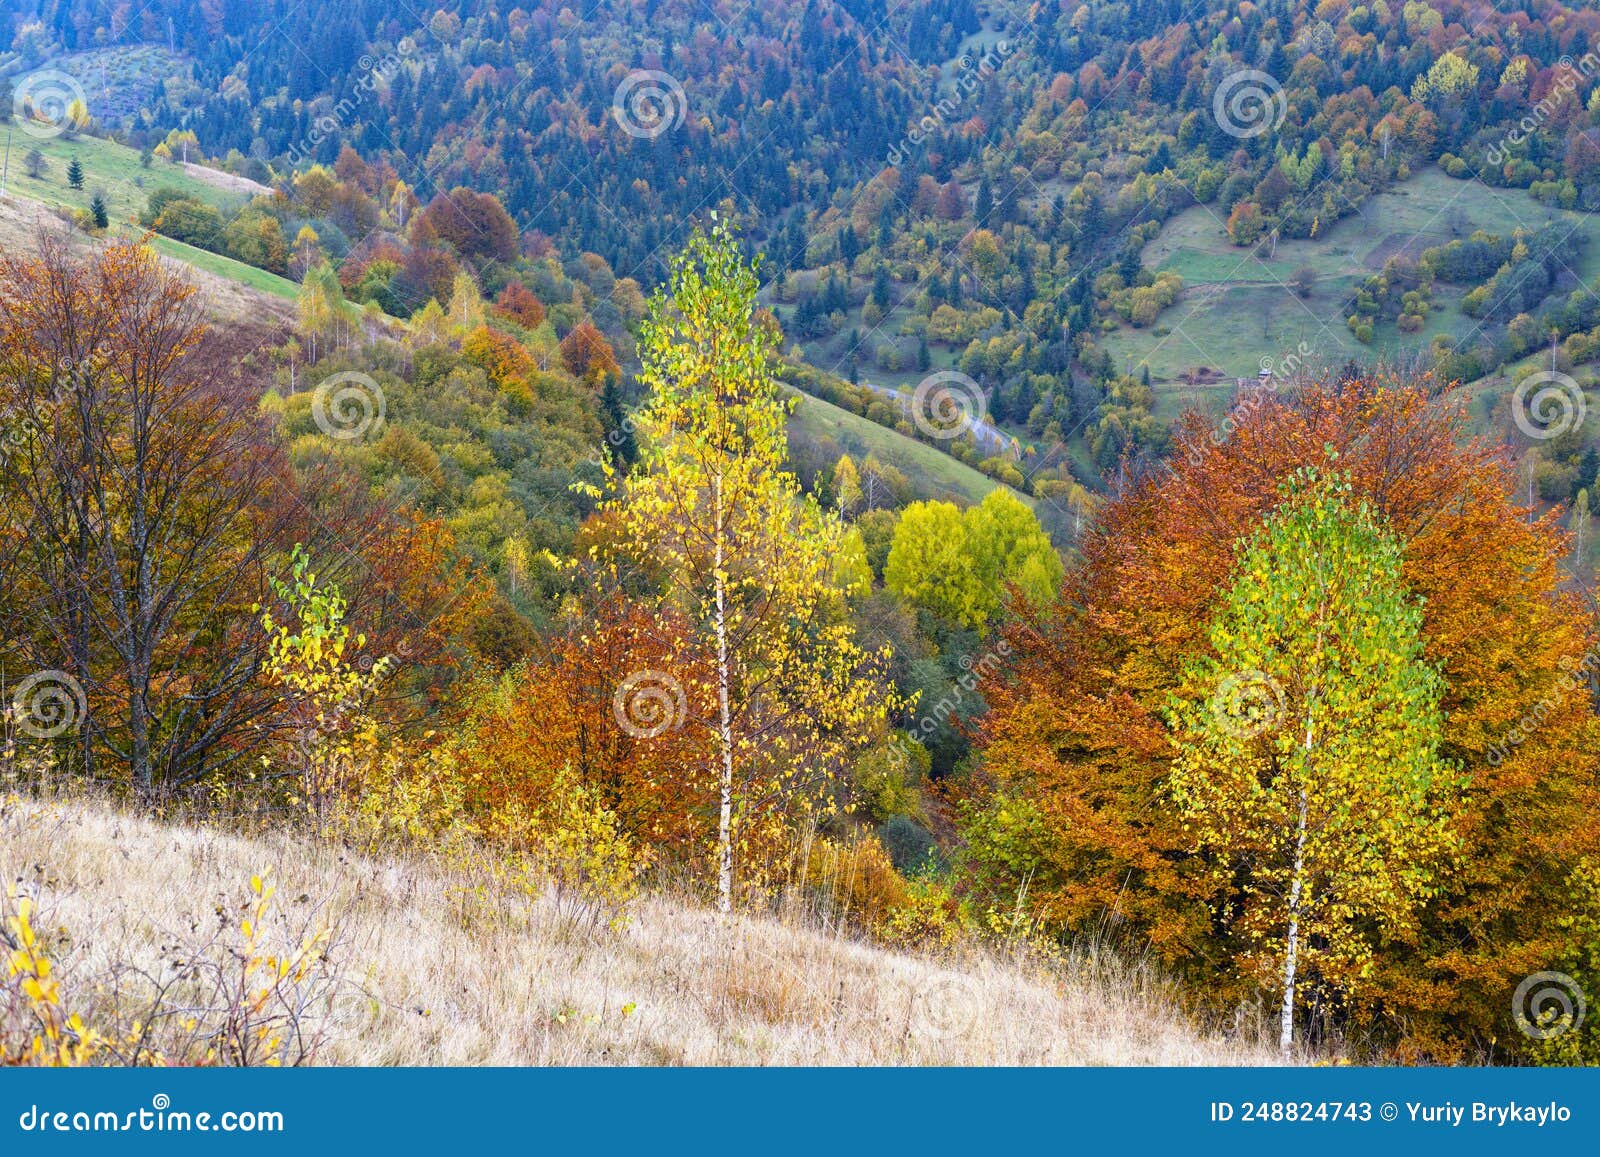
{"points": [[1237, 309], [931, 470], [113, 170]]}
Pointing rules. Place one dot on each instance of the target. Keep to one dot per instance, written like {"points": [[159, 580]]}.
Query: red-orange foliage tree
{"points": [[519, 304], [614, 696], [1072, 798], [588, 356], [133, 496], [475, 224]]}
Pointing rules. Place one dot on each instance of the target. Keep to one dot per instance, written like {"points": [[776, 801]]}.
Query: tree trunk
{"points": [[724, 718], [1291, 954]]}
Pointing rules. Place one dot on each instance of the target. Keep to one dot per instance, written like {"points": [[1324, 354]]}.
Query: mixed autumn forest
{"points": [[786, 468]]}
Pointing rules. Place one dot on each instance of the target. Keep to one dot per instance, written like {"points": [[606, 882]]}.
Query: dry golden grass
{"points": [[439, 971]]}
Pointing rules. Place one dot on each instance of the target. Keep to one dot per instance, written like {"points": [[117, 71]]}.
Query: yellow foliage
{"points": [[853, 880], [60, 1038], [930, 917]]}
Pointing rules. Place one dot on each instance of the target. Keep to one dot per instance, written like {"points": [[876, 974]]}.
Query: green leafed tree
{"points": [[324, 314], [1307, 743], [960, 564], [1010, 547], [928, 564]]}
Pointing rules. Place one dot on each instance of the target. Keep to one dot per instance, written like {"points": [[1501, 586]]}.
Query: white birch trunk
{"points": [[1291, 955], [724, 718]]}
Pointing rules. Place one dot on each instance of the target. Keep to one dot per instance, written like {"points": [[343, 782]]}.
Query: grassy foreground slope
{"points": [[437, 968]]}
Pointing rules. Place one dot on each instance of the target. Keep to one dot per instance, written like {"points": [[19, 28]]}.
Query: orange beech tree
{"points": [[614, 697], [133, 493], [1072, 802]]}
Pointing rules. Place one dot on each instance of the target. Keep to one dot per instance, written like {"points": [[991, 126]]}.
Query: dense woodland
{"points": [[978, 179], [514, 538]]}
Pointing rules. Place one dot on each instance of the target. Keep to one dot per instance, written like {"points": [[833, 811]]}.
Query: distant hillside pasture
{"points": [[1238, 312], [122, 80], [114, 171], [933, 473], [230, 291]]}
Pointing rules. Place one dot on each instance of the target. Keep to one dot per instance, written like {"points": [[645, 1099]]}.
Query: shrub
{"points": [[851, 882], [251, 991], [929, 917], [591, 864], [911, 847], [35, 1027]]}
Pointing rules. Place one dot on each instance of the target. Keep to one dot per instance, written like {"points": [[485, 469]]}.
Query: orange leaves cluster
{"points": [[588, 356], [618, 701], [517, 303], [1075, 741], [474, 224], [506, 360]]}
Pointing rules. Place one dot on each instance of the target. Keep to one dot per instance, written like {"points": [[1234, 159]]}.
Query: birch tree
{"points": [[1307, 742], [745, 557]]}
